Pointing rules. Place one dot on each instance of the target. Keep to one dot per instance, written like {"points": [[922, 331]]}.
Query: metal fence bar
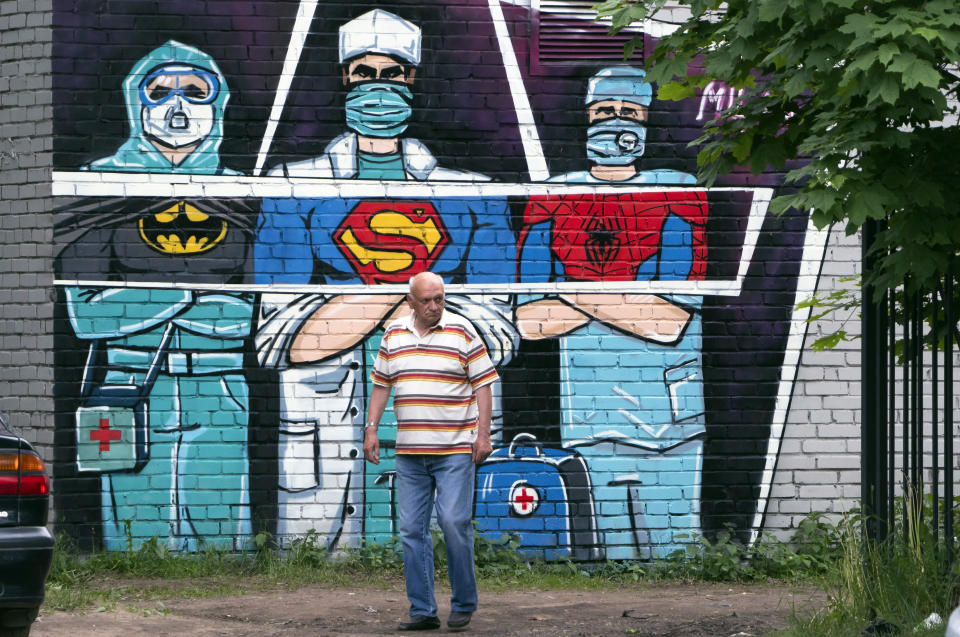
{"points": [[905, 403], [903, 383], [874, 402], [934, 414], [948, 416], [892, 406], [916, 409]]}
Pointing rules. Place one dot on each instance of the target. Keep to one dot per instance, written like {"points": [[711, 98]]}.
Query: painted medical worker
{"points": [[379, 55], [630, 364], [364, 242], [194, 490], [175, 98]]}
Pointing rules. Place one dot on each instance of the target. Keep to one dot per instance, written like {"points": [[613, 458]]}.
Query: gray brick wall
{"points": [[26, 235], [818, 470]]}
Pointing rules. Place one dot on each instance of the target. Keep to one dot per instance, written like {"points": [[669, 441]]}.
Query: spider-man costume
{"points": [[631, 406]]}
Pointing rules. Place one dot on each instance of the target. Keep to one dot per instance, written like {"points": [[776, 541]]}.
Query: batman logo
{"points": [[182, 229]]}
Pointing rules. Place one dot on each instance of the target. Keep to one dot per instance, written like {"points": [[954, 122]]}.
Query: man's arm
{"points": [[375, 407], [482, 447]]}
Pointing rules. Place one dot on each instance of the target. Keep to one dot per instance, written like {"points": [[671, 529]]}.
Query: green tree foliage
{"points": [[862, 91]]}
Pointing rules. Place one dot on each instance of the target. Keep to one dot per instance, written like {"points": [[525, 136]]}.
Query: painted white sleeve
{"points": [[281, 316], [492, 317]]}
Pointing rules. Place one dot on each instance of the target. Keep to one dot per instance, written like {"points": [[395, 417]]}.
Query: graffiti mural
{"points": [[234, 237]]}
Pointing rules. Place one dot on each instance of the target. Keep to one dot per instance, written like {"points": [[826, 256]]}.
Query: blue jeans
{"points": [[452, 479]]}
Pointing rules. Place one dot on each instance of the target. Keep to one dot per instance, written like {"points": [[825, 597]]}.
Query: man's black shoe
{"points": [[420, 622], [458, 620]]}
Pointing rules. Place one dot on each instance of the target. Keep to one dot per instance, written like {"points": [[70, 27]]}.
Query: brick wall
{"points": [[26, 271], [277, 303]]}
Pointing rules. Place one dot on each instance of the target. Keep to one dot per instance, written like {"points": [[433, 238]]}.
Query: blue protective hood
{"points": [[138, 154]]}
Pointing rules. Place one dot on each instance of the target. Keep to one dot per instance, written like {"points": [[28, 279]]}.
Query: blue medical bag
{"points": [[540, 494]]}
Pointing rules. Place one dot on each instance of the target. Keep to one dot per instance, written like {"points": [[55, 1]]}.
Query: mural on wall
{"points": [[225, 272]]}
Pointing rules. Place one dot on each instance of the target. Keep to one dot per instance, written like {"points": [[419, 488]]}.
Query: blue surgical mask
{"points": [[379, 109], [616, 142]]}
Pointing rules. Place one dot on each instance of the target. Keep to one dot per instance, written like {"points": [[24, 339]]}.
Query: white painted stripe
{"points": [[529, 136], [689, 288], [298, 37], [114, 184], [814, 249], [758, 212]]}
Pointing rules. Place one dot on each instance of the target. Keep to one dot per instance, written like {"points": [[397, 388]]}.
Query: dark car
{"points": [[26, 546]]}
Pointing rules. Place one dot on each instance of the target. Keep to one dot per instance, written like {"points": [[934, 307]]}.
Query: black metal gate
{"points": [[907, 403]]}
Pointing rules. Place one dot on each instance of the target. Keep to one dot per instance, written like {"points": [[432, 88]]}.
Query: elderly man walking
{"points": [[443, 379]]}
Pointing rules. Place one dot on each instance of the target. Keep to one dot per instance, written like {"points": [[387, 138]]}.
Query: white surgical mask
{"points": [[177, 123]]}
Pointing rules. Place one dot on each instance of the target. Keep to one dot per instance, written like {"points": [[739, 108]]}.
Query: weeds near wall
{"points": [[898, 584], [890, 588], [106, 579]]}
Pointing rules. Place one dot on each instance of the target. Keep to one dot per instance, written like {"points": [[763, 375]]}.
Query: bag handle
{"points": [[154, 369], [86, 383], [525, 440]]}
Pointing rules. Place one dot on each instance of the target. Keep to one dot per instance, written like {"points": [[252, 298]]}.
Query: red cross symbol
{"points": [[524, 499], [105, 435]]}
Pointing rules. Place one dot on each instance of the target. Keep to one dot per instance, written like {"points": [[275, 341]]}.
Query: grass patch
{"points": [[892, 587], [889, 588], [151, 572]]}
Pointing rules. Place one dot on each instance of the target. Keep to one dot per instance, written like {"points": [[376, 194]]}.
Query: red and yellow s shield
{"points": [[390, 241]]}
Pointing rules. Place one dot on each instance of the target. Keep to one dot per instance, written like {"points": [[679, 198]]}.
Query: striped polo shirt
{"points": [[434, 377]]}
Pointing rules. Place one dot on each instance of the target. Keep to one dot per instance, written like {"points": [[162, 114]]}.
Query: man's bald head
{"points": [[426, 299], [418, 279]]}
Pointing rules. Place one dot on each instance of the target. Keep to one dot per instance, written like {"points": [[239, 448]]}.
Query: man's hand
{"points": [[481, 448], [371, 445]]}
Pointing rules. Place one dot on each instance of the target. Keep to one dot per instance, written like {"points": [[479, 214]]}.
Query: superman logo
{"points": [[390, 241]]}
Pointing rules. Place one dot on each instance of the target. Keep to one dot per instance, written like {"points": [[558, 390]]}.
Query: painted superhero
{"points": [[193, 491], [175, 98], [363, 242], [379, 55], [631, 380]]}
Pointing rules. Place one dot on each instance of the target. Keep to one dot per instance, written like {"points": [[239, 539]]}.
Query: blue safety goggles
{"points": [[188, 89]]}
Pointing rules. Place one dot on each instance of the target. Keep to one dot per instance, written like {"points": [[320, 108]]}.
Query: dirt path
{"points": [[650, 610]]}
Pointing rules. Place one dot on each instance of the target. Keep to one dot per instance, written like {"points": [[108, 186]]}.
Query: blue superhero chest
{"points": [[381, 241]]}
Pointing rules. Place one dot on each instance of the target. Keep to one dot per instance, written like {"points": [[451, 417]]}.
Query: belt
{"points": [[178, 363]]}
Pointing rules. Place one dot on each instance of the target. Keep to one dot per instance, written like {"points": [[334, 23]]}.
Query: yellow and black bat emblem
{"points": [[182, 229]]}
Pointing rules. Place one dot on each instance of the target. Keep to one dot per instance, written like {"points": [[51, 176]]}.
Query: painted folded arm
{"points": [[114, 312], [491, 316], [218, 315], [651, 317], [341, 323], [644, 315]]}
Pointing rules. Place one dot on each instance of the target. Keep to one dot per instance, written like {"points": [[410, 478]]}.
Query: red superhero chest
{"points": [[606, 237]]}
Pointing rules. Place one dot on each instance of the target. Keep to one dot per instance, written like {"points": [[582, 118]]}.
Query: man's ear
{"points": [[343, 72], [411, 74]]}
